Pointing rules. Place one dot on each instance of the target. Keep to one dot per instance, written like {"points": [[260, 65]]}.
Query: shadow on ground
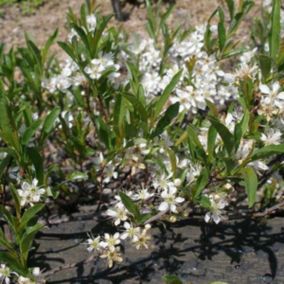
{"points": [[245, 251]]}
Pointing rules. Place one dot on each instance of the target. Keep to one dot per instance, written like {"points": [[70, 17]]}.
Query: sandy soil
{"points": [[51, 15]]}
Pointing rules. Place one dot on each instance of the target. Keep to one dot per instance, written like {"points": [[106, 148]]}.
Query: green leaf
{"points": [[226, 135], [130, 205], [68, 49], [265, 64], [267, 151], [231, 8], [50, 120], [77, 176], [4, 164], [221, 30], [119, 114], [16, 198], [251, 183], [241, 128], [10, 219], [37, 161], [139, 107], [167, 118], [195, 146], [211, 141], [143, 218], [159, 105], [173, 159], [171, 279], [29, 132], [205, 202], [29, 214], [275, 32], [12, 262], [48, 44], [28, 238], [201, 183], [4, 242], [8, 129], [104, 132]]}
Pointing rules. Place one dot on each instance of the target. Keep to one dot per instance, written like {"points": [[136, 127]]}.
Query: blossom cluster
{"points": [[6, 276], [161, 127]]}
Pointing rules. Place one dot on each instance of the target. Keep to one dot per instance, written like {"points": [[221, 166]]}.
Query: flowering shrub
{"points": [[181, 122]]}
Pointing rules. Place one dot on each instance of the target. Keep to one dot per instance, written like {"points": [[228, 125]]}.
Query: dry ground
{"points": [[51, 15]]}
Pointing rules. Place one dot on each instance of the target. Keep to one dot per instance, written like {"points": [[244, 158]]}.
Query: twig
{"points": [[68, 266], [270, 210]]}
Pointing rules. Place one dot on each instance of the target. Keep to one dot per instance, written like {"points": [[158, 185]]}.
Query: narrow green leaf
{"points": [[29, 132], [29, 214], [77, 176], [48, 44], [251, 183], [28, 238], [201, 183], [37, 161], [8, 129], [221, 30], [241, 128], [265, 64], [226, 135], [231, 8], [4, 163], [50, 120], [167, 118], [275, 32], [119, 113], [166, 94], [68, 49], [211, 140], [267, 151], [130, 205]]}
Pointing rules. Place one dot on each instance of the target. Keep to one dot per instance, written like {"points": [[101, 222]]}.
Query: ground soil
{"points": [[239, 252], [51, 15]]}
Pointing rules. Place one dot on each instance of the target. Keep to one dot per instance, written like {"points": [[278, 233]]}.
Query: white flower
{"points": [[170, 199], [99, 65], [112, 256], [95, 69], [110, 241], [91, 22], [143, 194], [152, 83], [217, 204], [72, 35], [25, 280], [119, 213], [272, 100], [194, 172], [272, 136], [245, 148], [130, 231], [5, 274], [36, 271], [161, 182], [142, 238], [190, 99], [93, 244], [150, 58], [109, 173], [259, 166], [30, 193]]}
